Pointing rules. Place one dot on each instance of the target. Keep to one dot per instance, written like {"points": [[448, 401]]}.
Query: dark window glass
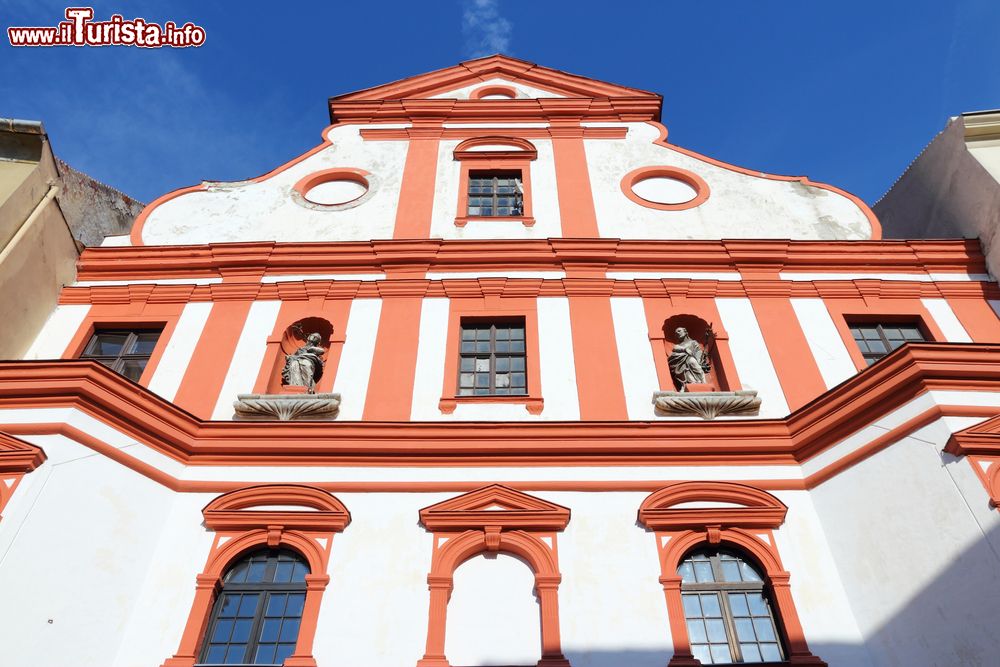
{"points": [[492, 359], [728, 615], [123, 351], [877, 340], [495, 194], [257, 615]]}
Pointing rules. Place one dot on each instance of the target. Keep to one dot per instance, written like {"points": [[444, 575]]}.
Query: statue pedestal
{"points": [[707, 404], [287, 407]]}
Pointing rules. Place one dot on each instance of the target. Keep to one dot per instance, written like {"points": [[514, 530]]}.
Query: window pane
{"points": [[265, 655], [701, 652], [483, 365], [299, 572], [483, 346], [517, 346], [466, 379], [692, 609], [468, 334], [275, 604], [295, 603], [283, 651], [738, 603], [749, 572], [750, 652], [770, 652], [720, 653], [517, 380], [716, 630], [912, 333], [236, 654], [744, 630], [269, 631], [229, 605], [765, 632], [216, 654], [502, 380], [730, 570], [289, 630], [107, 344], [257, 571], [241, 630], [223, 630], [757, 606], [710, 605], [132, 368], [503, 364], [503, 346], [703, 571], [145, 342], [686, 572], [696, 631], [517, 363], [283, 572], [248, 605]]}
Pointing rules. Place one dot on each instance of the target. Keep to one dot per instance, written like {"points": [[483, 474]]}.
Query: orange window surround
{"points": [[499, 155]]}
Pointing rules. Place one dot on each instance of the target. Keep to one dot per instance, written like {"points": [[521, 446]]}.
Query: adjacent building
{"points": [[498, 375]]}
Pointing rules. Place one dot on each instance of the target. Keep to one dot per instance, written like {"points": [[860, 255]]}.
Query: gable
{"points": [[495, 505]]}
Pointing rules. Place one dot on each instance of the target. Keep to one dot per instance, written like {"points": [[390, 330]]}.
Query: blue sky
{"points": [[847, 93]]}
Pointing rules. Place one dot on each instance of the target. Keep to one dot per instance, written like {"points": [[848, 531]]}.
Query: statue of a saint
{"points": [[304, 367], [689, 362]]}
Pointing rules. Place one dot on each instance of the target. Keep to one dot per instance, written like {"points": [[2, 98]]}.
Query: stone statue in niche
{"points": [[304, 367], [689, 361]]}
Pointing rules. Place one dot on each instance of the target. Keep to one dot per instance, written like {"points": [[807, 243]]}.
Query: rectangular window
{"points": [[875, 340], [495, 194], [124, 351], [492, 358]]}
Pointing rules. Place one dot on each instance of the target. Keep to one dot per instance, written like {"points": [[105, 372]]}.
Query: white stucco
{"points": [[58, 331], [429, 374], [266, 210], [946, 320], [739, 205], [523, 90], [751, 356], [493, 616], [247, 357], [355, 365], [828, 349], [636, 357], [173, 364], [555, 358]]}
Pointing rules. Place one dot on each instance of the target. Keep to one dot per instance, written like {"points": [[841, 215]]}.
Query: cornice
{"points": [[133, 410], [242, 262]]}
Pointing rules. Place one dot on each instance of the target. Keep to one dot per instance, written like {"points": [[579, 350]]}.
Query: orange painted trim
{"points": [[960, 256], [491, 308], [483, 91], [463, 528], [982, 439], [599, 384], [577, 215], [417, 189], [240, 509], [519, 148], [876, 226], [788, 348], [757, 508], [977, 318], [701, 189], [17, 458], [309, 181], [394, 362], [463, 133]]}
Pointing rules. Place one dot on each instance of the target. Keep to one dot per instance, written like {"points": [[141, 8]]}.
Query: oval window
{"points": [[333, 189], [664, 190], [333, 192]]}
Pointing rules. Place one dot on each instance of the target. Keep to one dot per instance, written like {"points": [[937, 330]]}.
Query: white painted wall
{"points": [[739, 206], [493, 615], [636, 357], [247, 357], [355, 365], [916, 547], [58, 331], [828, 349], [555, 358], [266, 211], [429, 373], [751, 356], [946, 320], [173, 364]]}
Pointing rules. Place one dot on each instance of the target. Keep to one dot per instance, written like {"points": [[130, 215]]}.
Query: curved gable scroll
{"points": [[495, 147], [724, 504], [293, 506]]}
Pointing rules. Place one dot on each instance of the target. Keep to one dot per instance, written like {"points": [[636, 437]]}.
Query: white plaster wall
{"points": [[57, 332], [265, 211], [556, 361], [750, 355], [522, 89], [827, 347], [916, 547], [429, 373], [636, 357], [544, 200], [247, 357], [173, 364], [493, 615], [739, 206], [355, 366], [77, 546], [946, 320]]}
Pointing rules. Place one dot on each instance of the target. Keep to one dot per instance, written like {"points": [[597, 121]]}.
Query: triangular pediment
{"points": [[534, 81], [16, 455], [982, 438], [495, 505]]}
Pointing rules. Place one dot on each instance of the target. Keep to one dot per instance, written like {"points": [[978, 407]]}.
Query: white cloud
{"points": [[484, 29]]}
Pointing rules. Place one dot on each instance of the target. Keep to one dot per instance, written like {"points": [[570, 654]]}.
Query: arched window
{"points": [[255, 620], [728, 615]]}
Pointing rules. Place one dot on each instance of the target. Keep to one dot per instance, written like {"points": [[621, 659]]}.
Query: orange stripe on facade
{"points": [[416, 193], [789, 350], [595, 355], [394, 364], [576, 199]]}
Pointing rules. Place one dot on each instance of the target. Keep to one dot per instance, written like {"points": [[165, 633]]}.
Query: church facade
{"points": [[498, 375]]}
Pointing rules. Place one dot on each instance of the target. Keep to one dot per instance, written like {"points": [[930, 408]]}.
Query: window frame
{"points": [[502, 154], [492, 322], [879, 326], [722, 589], [264, 589], [117, 362], [495, 195]]}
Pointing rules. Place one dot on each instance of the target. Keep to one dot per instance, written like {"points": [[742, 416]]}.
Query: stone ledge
{"points": [[287, 407], [707, 404]]}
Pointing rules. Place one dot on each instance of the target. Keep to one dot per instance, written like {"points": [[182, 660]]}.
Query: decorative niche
{"points": [[296, 372]]}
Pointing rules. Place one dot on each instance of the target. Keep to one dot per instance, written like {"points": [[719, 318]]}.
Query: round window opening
{"points": [[665, 188], [334, 192]]}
